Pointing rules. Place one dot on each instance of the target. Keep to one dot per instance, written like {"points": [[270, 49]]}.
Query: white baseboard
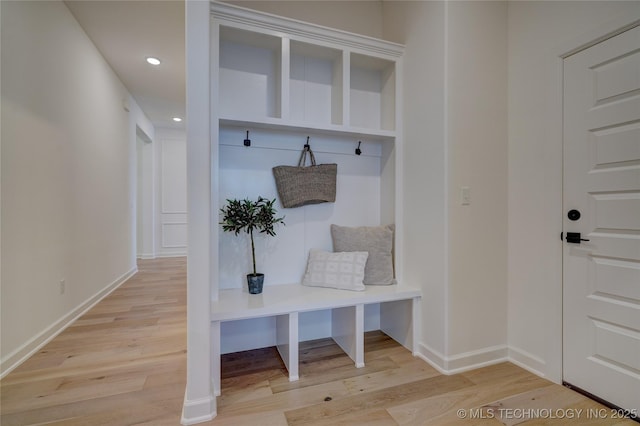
{"points": [[198, 410], [149, 256], [482, 358], [478, 359], [432, 357], [177, 253], [465, 361], [528, 361], [17, 357]]}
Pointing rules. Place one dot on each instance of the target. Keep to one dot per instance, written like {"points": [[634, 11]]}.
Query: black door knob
{"points": [[573, 215]]}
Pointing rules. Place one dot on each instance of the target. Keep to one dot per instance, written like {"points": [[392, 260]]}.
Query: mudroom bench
{"points": [[398, 311]]}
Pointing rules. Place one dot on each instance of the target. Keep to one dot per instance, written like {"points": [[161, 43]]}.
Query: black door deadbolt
{"points": [[574, 238], [573, 215]]}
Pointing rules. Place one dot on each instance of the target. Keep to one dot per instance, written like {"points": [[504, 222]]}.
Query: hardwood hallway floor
{"points": [[123, 363]]}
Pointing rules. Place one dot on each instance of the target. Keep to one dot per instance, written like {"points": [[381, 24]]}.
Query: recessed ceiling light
{"points": [[153, 61], [177, 119]]}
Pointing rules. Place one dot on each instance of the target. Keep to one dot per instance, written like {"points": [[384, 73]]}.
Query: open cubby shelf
{"points": [[265, 74]]}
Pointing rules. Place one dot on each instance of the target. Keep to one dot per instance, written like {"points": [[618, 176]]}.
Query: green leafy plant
{"points": [[248, 216]]}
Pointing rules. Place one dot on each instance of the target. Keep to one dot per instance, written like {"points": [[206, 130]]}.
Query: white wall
{"points": [[421, 27], [539, 32], [455, 135], [170, 153], [455, 117], [68, 173], [477, 146]]}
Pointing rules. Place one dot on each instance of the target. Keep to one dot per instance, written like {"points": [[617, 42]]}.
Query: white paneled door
{"points": [[601, 256]]}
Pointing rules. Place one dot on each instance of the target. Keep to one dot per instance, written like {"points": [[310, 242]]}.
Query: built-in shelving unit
{"points": [[288, 73], [283, 81]]}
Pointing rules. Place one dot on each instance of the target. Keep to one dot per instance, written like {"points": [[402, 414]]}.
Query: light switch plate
{"points": [[465, 195]]}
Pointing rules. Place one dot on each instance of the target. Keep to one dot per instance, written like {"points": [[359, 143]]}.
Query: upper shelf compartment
{"points": [[274, 71], [315, 84], [250, 74], [372, 93]]}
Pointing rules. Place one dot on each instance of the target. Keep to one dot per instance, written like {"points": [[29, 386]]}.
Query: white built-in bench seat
{"points": [[398, 314], [235, 304]]}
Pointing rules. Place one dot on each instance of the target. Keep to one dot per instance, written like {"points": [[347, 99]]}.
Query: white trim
{"points": [[598, 35], [477, 359], [177, 253], [163, 229], [528, 361], [465, 361], [432, 357], [172, 254], [343, 130], [21, 354], [198, 410], [553, 321], [274, 24], [445, 181], [199, 403]]}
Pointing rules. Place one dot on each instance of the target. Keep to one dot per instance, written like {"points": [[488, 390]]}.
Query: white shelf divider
{"points": [[287, 342], [285, 82], [346, 88], [347, 330]]}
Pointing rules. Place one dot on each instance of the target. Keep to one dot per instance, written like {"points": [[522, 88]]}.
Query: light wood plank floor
{"points": [[123, 363]]}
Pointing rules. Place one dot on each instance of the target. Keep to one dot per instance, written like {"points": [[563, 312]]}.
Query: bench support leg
{"points": [[398, 319], [347, 330], [287, 342]]}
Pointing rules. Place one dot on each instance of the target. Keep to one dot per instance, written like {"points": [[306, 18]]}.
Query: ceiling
{"points": [[126, 32]]}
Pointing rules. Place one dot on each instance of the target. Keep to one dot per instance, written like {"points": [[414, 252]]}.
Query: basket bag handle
{"points": [[303, 156]]}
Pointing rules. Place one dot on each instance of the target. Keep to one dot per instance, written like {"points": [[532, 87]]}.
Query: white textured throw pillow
{"points": [[344, 270]]}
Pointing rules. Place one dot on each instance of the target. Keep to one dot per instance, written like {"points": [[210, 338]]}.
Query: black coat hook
{"points": [[358, 150], [247, 141]]}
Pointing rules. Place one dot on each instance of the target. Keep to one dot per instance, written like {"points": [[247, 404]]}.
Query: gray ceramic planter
{"points": [[255, 283]]}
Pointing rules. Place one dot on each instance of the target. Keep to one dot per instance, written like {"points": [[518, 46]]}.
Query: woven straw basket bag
{"points": [[302, 185]]}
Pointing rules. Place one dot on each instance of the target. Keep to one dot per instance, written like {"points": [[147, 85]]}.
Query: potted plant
{"points": [[247, 215]]}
